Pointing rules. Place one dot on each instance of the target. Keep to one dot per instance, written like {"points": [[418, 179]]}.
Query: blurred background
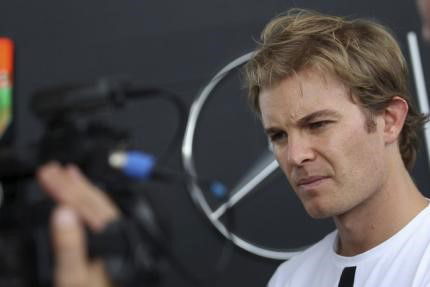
{"points": [[180, 46]]}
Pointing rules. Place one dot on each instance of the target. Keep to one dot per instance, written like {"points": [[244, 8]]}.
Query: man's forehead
{"points": [[307, 92], [297, 83]]}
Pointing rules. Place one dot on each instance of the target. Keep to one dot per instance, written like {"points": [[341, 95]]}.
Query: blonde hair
{"points": [[362, 54]]}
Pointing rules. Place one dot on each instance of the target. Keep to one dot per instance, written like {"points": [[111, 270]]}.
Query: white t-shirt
{"points": [[401, 261]]}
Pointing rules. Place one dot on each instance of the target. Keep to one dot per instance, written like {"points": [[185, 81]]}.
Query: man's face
{"points": [[424, 10], [319, 137]]}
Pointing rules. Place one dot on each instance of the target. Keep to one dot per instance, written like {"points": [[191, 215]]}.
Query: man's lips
{"points": [[310, 180]]}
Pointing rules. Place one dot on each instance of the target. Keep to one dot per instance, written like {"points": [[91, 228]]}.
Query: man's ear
{"points": [[394, 118]]}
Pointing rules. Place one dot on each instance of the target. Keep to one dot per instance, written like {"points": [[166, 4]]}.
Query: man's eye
{"points": [[319, 124], [275, 137]]}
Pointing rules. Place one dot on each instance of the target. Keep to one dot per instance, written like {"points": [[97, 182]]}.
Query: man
{"points": [[424, 10], [80, 202], [338, 132], [333, 99]]}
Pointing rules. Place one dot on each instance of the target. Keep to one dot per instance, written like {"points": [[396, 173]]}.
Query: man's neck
{"points": [[379, 217]]}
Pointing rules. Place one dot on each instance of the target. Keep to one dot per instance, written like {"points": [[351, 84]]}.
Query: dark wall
{"points": [[180, 45]]}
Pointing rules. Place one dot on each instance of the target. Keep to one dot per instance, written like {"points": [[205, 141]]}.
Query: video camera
{"points": [[133, 246]]}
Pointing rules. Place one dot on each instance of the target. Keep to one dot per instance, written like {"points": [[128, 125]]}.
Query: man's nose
{"points": [[299, 150]]}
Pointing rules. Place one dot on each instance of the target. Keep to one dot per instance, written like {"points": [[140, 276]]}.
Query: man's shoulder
{"points": [[303, 262]]}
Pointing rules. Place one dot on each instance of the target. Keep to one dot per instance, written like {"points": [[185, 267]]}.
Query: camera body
{"points": [[131, 247]]}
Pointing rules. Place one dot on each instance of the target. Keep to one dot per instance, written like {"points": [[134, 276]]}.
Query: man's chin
{"points": [[319, 212], [320, 215]]}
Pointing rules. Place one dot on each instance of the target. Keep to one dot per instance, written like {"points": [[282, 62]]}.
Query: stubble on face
{"points": [[345, 150]]}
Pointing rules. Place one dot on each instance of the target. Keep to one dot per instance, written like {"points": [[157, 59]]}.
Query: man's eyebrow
{"points": [[322, 113], [307, 119]]}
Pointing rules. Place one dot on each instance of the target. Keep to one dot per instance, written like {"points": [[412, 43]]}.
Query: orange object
{"points": [[6, 55]]}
